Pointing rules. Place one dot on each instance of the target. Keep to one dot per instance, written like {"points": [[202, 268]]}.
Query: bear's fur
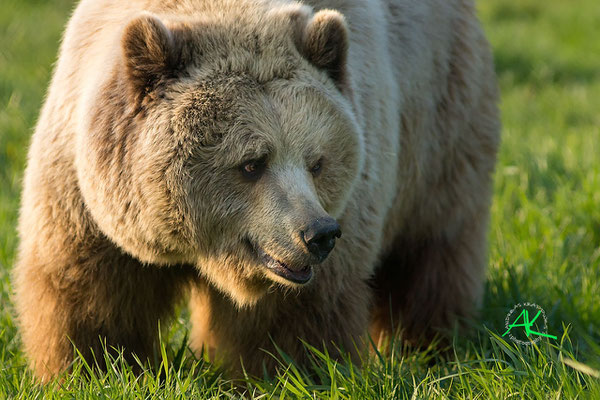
{"points": [[186, 145]]}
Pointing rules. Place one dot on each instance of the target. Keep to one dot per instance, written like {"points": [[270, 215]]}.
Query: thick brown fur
{"points": [[133, 197]]}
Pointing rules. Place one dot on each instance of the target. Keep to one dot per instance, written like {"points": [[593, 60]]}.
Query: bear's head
{"points": [[227, 140]]}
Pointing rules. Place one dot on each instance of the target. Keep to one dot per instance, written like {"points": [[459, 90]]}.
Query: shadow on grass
{"points": [[510, 11], [524, 69]]}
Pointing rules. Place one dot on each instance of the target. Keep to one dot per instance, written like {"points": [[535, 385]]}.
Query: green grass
{"points": [[544, 236]]}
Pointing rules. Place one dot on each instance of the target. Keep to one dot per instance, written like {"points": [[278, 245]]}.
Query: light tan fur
{"points": [[133, 195]]}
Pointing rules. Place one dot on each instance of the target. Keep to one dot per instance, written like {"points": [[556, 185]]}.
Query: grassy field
{"points": [[544, 236]]}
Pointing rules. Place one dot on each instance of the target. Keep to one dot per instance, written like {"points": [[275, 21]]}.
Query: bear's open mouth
{"points": [[299, 276]]}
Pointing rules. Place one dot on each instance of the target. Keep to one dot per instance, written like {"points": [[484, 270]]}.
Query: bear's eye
{"points": [[253, 169], [316, 169]]}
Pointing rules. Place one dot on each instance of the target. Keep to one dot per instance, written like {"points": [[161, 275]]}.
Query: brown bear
{"points": [[217, 150]]}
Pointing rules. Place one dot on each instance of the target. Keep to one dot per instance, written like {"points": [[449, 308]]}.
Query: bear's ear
{"points": [[150, 53], [325, 43]]}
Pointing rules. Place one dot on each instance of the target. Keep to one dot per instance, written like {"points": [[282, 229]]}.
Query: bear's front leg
{"points": [[323, 314], [426, 285], [85, 294]]}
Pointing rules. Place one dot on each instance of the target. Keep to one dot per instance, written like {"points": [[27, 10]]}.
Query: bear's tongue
{"points": [[300, 276]]}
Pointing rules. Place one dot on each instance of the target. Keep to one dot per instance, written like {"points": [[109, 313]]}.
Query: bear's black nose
{"points": [[320, 235]]}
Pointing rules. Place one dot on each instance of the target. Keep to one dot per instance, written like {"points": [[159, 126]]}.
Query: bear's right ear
{"points": [[150, 53], [325, 44]]}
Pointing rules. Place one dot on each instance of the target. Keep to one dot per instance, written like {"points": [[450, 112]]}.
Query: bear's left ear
{"points": [[150, 53], [325, 43]]}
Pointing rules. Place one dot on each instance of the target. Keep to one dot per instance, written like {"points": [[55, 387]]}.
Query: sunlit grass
{"points": [[544, 235]]}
